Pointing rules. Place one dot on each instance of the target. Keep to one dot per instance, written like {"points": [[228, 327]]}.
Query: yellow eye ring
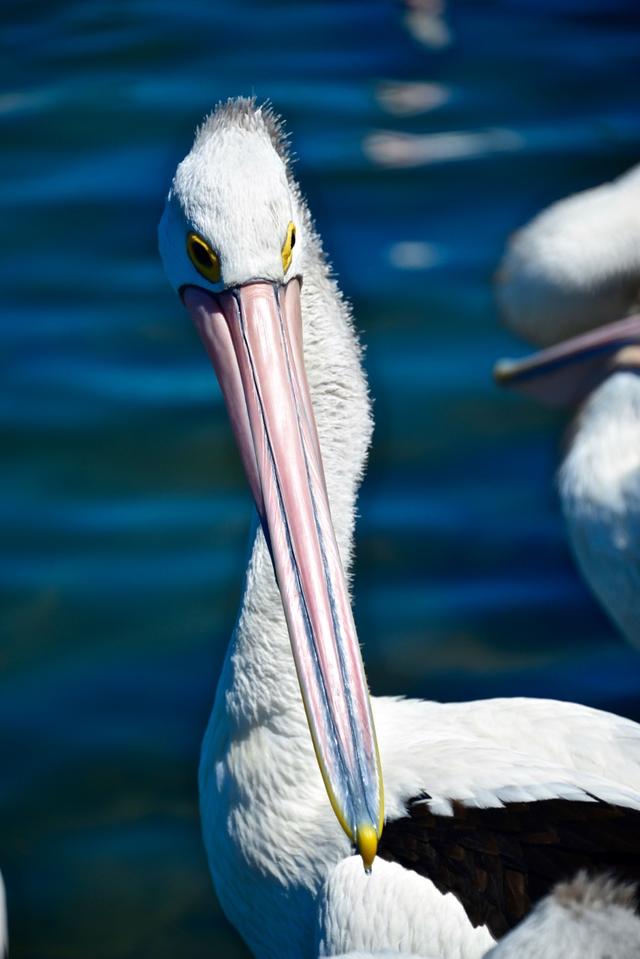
{"points": [[287, 247], [205, 260]]}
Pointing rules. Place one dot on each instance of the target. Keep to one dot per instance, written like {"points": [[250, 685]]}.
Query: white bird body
{"points": [[587, 917], [599, 485], [276, 851], [386, 954], [393, 910], [575, 267]]}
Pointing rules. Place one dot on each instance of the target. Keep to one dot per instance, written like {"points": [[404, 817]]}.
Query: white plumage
{"points": [[584, 918], [599, 483], [575, 267], [277, 854]]}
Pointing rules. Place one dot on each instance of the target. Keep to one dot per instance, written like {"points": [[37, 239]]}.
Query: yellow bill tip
{"points": [[367, 843], [503, 371]]}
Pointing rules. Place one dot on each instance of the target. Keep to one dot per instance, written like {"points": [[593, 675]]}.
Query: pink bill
{"points": [[254, 337], [564, 374]]}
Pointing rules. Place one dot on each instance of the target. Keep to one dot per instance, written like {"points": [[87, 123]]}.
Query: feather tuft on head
{"points": [[245, 113]]}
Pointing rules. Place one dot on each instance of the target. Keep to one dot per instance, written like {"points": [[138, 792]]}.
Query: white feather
{"points": [[369, 913], [585, 918]]}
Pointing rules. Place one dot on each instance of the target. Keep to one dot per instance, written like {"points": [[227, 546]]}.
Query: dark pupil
{"points": [[293, 239], [201, 255]]}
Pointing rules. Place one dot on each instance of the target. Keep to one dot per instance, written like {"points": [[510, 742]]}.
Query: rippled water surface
{"points": [[424, 136]]}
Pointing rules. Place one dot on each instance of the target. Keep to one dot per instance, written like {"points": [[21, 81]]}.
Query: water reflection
{"points": [[410, 99], [413, 255], [424, 19], [391, 148]]}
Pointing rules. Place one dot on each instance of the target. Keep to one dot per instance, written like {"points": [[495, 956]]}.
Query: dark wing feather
{"points": [[499, 862]]}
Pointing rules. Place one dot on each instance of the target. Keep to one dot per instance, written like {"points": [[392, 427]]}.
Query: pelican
{"points": [[570, 282], [587, 917], [486, 804], [583, 918]]}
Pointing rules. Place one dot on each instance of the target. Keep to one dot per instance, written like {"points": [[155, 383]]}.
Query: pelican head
{"points": [[570, 282], [233, 193], [234, 238]]}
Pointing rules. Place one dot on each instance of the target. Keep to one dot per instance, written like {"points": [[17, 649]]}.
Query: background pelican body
{"points": [[574, 268], [274, 845]]}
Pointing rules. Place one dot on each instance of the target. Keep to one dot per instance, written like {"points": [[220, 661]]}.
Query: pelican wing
{"points": [[493, 751], [500, 861]]}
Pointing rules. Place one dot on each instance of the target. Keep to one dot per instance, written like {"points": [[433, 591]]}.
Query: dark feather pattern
{"points": [[499, 862]]}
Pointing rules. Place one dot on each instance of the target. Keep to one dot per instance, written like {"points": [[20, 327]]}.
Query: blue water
{"points": [[123, 508]]}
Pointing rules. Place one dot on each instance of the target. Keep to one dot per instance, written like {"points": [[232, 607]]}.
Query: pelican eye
{"points": [[287, 247], [206, 262]]}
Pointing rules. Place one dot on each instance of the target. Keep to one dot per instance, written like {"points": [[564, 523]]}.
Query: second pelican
{"points": [[572, 278]]}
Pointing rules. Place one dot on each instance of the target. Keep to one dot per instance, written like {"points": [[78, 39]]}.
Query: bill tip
{"points": [[503, 371], [367, 843]]}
